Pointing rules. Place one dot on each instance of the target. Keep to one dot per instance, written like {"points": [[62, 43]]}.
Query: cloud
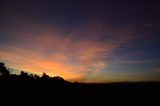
{"points": [[45, 49], [136, 62], [76, 55]]}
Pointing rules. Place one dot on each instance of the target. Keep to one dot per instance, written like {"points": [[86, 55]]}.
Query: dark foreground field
{"points": [[32, 90], [46, 93]]}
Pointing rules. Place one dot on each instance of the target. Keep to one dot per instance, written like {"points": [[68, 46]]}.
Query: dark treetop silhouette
{"points": [[3, 70], [25, 89]]}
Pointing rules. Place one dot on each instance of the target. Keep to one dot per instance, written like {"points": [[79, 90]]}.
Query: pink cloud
{"points": [[47, 50]]}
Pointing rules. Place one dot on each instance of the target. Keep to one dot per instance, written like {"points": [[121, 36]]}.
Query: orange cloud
{"points": [[56, 54]]}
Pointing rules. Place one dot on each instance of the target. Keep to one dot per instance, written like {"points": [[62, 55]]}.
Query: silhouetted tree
{"points": [[45, 76], [30, 77], [36, 77], [24, 74], [3, 70], [58, 79]]}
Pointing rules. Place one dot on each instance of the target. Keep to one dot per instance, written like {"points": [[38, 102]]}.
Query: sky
{"points": [[82, 40]]}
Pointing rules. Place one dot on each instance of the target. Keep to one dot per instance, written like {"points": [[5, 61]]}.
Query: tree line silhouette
{"points": [[30, 89], [5, 74]]}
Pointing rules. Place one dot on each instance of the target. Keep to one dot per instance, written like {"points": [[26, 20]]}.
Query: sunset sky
{"points": [[82, 40]]}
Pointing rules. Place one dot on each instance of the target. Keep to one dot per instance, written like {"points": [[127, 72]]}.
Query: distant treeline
{"points": [[5, 74]]}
